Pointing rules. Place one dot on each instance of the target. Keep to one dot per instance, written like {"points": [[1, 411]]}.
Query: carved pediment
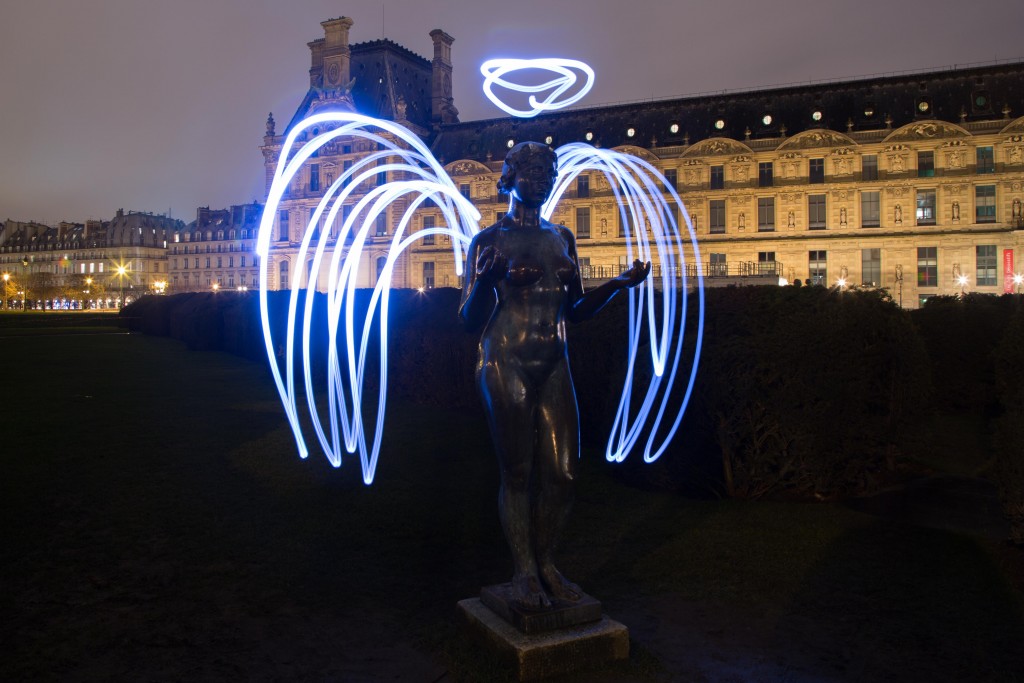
{"points": [[638, 152], [817, 138], [466, 167], [1015, 126], [927, 130], [717, 147]]}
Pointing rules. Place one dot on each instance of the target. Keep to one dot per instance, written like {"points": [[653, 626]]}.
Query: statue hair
{"points": [[521, 154]]}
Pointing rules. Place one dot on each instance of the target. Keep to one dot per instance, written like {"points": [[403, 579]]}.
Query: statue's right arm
{"points": [[484, 266]]}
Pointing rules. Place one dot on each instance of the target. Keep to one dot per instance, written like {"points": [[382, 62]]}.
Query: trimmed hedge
{"points": [[801, 392]]}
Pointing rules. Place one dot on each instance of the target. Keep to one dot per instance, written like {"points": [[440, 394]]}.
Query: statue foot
{"points": [[528, 593], [559, 586]]}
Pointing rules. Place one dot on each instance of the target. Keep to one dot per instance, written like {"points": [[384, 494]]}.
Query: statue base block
{"points": [[536, 656], [561, 614]]}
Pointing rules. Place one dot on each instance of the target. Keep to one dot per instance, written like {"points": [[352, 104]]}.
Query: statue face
{"points": [[534, 182]]}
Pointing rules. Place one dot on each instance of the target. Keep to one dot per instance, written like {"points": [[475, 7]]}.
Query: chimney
{"points": [[442, 105], [336, 54], [316, 67]]}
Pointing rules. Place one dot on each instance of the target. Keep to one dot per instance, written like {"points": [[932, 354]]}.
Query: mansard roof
{"points": [[383, 72], [885, 103]]}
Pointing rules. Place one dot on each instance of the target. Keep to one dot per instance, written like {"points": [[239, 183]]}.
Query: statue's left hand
{"points": [[635, 275]]}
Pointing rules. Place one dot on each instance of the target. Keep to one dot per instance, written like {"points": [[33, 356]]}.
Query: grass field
{"points": [[158, 525]]}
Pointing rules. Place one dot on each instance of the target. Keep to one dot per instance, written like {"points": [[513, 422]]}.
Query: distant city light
{"points": [[816, 116], [630, 132], [720, 124], [674, 128], [767, 120], [566, 75]]}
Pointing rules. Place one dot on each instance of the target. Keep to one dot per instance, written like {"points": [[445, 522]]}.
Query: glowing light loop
{"points": [[565, 71], [638, 191]]}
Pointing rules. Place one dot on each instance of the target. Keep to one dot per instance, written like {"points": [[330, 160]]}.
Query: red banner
{"points": [[1008, 271]]}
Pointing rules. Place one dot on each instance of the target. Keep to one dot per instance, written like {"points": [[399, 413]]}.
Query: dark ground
{"points": [[158, 525]]}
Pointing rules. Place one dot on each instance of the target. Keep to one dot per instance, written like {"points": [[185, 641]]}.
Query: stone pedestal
{"points": [[565, 639]]}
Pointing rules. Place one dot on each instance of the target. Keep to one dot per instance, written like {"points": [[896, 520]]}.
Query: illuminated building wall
{"points": [[918, 174], [216, 251]]}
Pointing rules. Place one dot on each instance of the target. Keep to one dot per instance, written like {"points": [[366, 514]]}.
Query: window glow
{"points": [[565, 71], [638, 188]]}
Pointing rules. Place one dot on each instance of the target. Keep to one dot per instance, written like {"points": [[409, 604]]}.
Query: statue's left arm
{"points": [[585, 305]]}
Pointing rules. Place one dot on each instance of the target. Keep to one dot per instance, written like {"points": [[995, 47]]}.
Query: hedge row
{"points": [[800, 391]]}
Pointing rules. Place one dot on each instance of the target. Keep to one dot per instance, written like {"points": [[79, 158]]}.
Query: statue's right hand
{"points": [[491, 265]]}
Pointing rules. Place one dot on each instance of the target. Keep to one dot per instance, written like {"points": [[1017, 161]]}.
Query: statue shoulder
{"points": [[485, 237]]}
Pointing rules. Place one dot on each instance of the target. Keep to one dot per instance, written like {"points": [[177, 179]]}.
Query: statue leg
{"points": [[510, 415], [558, 445]]}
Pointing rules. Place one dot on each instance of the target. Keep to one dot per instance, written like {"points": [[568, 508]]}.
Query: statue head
{"points": [[523, 155]]}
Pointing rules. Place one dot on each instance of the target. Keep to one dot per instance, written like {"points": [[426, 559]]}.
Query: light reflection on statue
{"points": [[527, 272]]}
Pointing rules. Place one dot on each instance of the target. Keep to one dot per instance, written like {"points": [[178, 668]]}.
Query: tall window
{"points": [[816, 212], [314, 177], [869, 167], [582, 186], [986, 161], [717, 177], [381, 262], [985, 204], [927, 266], [381, 223], [871, 267], [282, 233], [766, 262], [625, 223], [765, 214], [817, 268], [382, 176], [583, 222], [464, 190], [283, 274], [716, 216], [428, 223], [926, 207], [925, 164], [584, 267], [670, 178], [717, 265], [428, 274], [986, 257], [765, 174], [816, 172], [870, 211]]}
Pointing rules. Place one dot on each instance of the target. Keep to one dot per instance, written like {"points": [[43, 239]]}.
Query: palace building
{"points": [[911, 182]]}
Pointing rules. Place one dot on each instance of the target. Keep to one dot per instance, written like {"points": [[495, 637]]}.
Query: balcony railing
{"points": [[710, 270]]}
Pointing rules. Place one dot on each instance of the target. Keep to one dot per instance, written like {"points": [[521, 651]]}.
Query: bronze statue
{"points": [[527, 270]]}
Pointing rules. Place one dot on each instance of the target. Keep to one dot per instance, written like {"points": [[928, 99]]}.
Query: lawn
{"points": [[158, 525]]}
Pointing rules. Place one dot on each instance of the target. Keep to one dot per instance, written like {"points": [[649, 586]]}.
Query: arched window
{"points": [[283, 277]]}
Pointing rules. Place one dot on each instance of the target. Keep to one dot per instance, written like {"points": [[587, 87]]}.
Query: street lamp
{"points": [[1017, 280], [962, 281], [120, 277], [215, 287], [7, 277]]}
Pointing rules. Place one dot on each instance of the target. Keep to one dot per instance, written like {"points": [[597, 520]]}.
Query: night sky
{"points": [[158, 105]]}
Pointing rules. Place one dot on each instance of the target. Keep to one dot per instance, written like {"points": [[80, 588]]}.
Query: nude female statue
{"points": [[527, 270]]}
